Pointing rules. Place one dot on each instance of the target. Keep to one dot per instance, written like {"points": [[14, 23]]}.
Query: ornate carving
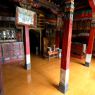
{"points": [[24, 5], [28, 4], [69, 6], [69, 9]]}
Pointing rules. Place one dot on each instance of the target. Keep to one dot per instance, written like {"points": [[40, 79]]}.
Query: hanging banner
{"points": [[59, 23], [25, 17]]}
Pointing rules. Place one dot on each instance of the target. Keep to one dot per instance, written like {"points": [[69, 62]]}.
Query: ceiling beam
{"points": [[81, 7]]}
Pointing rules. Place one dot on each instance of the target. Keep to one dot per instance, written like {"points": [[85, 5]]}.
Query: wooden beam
{"points": [[49, 5], [81, 7]]}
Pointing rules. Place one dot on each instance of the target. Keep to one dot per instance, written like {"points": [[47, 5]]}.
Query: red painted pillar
{"points": [[27, 48], [66, 45], [90, 46], [91, 36]]}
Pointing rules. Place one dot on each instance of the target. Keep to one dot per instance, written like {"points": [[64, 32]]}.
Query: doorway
{"points": [[34, 41]]}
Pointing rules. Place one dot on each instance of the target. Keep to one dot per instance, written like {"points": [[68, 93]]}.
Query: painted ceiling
{"points": [[48, 8]]}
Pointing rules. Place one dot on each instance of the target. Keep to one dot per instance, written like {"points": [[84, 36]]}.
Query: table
{"points": [[52, 54]]}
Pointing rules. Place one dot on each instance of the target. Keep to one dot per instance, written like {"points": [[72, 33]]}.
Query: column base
{"points": [[88, 60], [87, 64], [28, 66], [63, 88]]}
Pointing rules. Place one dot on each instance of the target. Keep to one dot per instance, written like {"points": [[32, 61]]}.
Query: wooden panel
{"points": [[16, 46], [11, 52], [6, 53], [0, 51], [21, 51]]}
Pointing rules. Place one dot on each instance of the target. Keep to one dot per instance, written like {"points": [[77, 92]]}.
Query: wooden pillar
{"points": [[66, 45], [90, 46], [91, 36], [27, 48]]}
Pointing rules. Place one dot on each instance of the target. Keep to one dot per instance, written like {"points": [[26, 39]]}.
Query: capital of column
{"points": [[93, 20], [92, 5], [69, 6], [69, 9]]}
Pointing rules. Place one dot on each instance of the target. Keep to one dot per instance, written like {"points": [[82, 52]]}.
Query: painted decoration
{"points": [[93, 15], [25, 17]]}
